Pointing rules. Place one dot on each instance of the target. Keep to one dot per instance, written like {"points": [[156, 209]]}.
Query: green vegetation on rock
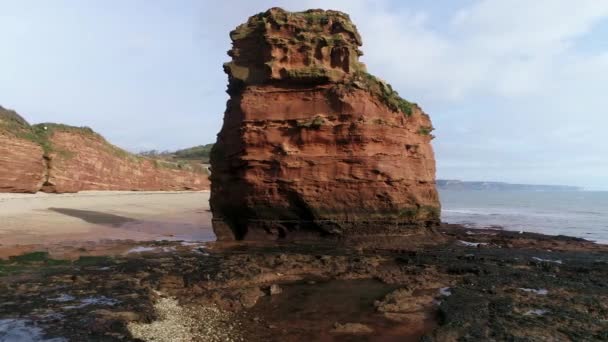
{"points": [[424, 130], [310, 20], [314, 123], [29, 261], [384, 92], [311, 74], [200, 152]]}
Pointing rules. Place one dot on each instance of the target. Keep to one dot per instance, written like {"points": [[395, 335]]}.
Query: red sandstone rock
{"points": [[313, 143], [59, 158], [85, 161], [22, 167]]}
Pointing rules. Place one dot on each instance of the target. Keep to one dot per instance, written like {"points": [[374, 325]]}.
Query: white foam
{"points": [[445, 291], [472, 244], [21, 330], [537, 312], [141, 249], [100, 300], [547, 260], [62, 298], [541, 292]]}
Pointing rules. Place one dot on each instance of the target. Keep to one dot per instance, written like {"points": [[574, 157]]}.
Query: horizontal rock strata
{"points": [[60, 158], [312, 143]]}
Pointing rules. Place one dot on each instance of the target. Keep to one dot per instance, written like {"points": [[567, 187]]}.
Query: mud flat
{"points": [[471, 286]]}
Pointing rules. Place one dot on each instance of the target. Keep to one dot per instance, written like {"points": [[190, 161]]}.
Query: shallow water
{"points": [[321, 305], [581, 214]]}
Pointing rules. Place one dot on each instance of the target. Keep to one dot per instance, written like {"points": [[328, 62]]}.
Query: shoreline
{"points": [[442, 286]]}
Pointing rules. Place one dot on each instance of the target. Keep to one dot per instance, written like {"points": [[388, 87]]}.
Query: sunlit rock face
{"points": [[312, 144], [59, 158]]}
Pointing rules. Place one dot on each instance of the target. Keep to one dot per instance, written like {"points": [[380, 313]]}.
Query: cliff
{"points": [[22, 165], [59, 158], [311, 142]]}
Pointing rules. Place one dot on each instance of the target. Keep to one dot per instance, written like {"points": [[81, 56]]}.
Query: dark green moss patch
{"points": [[30, 257], [384, 92], [94, 261], [314, 123], [31, 262], [425, 130]]}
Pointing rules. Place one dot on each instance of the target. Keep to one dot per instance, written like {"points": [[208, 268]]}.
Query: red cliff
{"points": [[312, 143], [59, 158], [22, 166]]}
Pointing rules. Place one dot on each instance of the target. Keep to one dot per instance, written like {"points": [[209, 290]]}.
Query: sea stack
{"points": [[312, 144]]}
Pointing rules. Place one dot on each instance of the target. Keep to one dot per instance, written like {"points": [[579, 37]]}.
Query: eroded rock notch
{"points": [[311, 142]]}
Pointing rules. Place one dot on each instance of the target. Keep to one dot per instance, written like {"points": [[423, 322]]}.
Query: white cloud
{"points": [[511, 91], [515, 88]]}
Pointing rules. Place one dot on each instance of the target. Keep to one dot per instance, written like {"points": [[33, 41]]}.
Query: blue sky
{"points": [[515, 88]]}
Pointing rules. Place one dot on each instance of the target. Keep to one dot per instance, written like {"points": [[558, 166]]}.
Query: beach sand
{"points": [[97, 216]]}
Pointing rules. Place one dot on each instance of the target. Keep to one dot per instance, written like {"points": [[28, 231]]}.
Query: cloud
{"points": [[505, 48], [516, 89]]}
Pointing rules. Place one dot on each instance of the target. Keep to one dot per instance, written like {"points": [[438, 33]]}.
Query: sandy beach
{"points": [[95, 216]]}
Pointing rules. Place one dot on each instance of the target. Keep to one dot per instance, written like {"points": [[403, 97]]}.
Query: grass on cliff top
{"points": [[310, 20], [10, 120], [191, 159], [384, 92], [14, 125]]}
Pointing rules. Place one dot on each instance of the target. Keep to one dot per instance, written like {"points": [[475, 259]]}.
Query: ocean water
{"points": [[581, 214]]}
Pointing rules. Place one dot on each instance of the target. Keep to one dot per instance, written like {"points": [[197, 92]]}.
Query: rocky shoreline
{"points": [[472, 285]]}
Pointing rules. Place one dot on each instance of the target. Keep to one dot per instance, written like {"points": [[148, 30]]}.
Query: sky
{"points": [[516, 89]]}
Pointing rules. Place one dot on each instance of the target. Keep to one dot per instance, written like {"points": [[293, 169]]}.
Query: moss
{"points": [[425, 130], [314, 123], [384, 92], [30, 257], [6, 270], [307, 73], [31, 262], [310, 20], [315, 17], [94, 261], [36, 258]]}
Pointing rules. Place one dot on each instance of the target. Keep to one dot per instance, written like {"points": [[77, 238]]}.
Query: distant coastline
{"points": [[453, 184]]}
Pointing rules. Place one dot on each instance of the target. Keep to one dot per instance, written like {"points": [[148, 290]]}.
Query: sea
{"points": [[582, 214]]}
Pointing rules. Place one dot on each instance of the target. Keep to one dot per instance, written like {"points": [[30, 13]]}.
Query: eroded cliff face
{"points": [[312, 143], [22, 166], [59, 158], [83, 160]]}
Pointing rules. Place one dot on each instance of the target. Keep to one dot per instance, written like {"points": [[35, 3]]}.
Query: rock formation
{"points": [[59, 158], [22, 165], [312, 143]]}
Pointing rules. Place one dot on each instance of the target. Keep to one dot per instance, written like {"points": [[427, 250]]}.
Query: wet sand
{"points": [[446, 284], [29, 220]]}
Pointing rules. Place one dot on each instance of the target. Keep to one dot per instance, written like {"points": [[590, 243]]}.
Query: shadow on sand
{"points": [[95, 217]]}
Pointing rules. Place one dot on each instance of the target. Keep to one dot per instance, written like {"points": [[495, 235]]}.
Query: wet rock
{"points": [[403, 300], [351, 328], [249, 297], [274, 289]]}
